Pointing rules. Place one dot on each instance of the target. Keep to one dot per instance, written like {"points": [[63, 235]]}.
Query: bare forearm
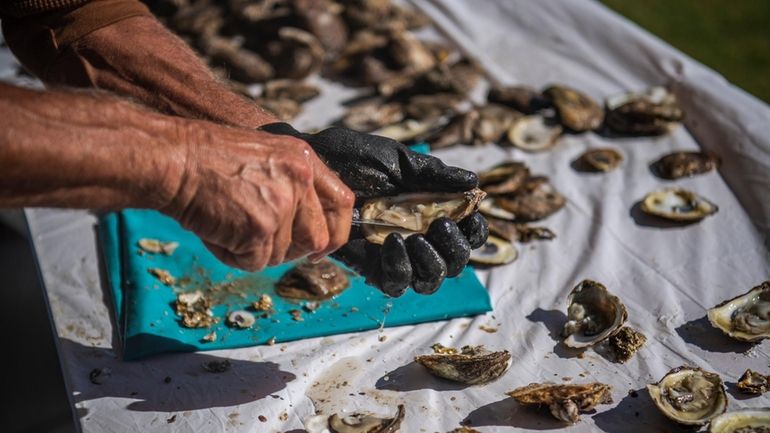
{"points": [[75, 150], [140, 58]]}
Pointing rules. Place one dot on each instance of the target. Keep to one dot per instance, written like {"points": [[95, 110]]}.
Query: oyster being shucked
{"points": [[495, 251], [413, 213], [604, 159], [678, 204], [752, 382], [534, 133], [366, 422], [745, 317], [652, 112], [535, 200], [689, 395], [471, 364], [564, 401], [594, 314], [503, 178], [626, 342], [577, 111], [742, 421], [684, 164], [312, 281]]}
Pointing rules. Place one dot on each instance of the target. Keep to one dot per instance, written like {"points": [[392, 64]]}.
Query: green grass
{"points": [[730, 36]]}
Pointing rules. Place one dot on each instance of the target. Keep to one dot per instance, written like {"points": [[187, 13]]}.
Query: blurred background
{"points": [[731, 37]]}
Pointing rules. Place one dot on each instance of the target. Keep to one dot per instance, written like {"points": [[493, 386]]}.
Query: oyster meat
{"points": [[678, 204], [652, 112], [367, 423], [534, 133], [752, 382], [564, 401], [504, 178], [689, 396], [495, 251], [683, 164], [471, 364], [742, 421], [312, 281], [626, 342], [594, 314], [535, 200], [600, 160], [576, 111], [195, 309], [745, 317], [413, 213]]}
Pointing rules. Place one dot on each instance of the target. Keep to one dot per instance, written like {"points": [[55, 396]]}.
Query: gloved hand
{"points": [[374, 166]]}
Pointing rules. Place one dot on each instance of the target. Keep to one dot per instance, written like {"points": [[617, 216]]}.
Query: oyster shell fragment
{"points": [[195, 309], [312, 281], [677, 204], [601, 160], [742, 421], [652, 112], [684, 164], [626, 342], [576, 111], [413, 213], [752, 382], [495, 251], [745, 317], [689, 396], [241, 319], [594, 314], [564, 401], [534, 133], [471, 364], [367, 423]]}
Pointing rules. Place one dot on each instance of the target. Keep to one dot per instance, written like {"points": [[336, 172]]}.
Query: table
{"points": [[667, 276]]}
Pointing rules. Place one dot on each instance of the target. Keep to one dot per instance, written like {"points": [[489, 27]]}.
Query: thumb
{"points": [[428, 173]]}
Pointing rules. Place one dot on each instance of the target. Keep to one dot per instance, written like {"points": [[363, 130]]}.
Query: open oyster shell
{"points": [[577, 111], [534, 133], [652, 112], [367, 423], [564, 401], [495, 251], [689, 396], [504, 178], [413, 213], [600, 160], [678, 204], [745, 317], [742, 421], [471, 364], [754, 383], [594, 314]]}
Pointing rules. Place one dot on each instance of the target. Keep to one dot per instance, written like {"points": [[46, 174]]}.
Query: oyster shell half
{"points": [[521, 98], [471, 364], [678, 204], [503, 178], [495, 251], [605, 159], [745, 317], [312, 281], [652, 112], [754, 383], [534, 133], [577, 111], [689, 395], [535, 200], [594, 314], [742, 421], [626, 342], [366, 422], [413, 213], [684, 164], [488, 207], [564, 401]]}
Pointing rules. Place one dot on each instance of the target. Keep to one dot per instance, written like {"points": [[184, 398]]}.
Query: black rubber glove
{"points": [[374, 166]]}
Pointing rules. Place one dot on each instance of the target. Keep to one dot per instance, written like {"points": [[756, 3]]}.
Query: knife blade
{"points": [[361, 222]]}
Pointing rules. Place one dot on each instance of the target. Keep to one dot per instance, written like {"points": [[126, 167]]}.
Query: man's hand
{"points": [[375, 166]]}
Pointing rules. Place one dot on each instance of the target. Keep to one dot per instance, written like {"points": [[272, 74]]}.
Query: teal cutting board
{"points": [[144, 307]]}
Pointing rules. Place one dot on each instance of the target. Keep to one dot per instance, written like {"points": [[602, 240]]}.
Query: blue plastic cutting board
{"points": [[144, 307]]}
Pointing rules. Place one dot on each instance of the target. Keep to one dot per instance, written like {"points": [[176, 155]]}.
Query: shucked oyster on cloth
{"points": [[564, 401], [367, 423], [471, 364], [677, 204], [312, 281], [594, 314], [652, 112], [742, 421], [745, 317], [689, 395], [413, 213]]}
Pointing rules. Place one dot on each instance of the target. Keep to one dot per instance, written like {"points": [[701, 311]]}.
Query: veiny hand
{"points": [[374, 166], [258, 199]]}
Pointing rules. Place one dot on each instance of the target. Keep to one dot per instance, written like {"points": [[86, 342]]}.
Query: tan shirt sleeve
{"points": [[38, 31]]}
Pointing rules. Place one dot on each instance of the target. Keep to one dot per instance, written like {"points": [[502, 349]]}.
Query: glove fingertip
{"points": [[475, 228], [396, 269]]}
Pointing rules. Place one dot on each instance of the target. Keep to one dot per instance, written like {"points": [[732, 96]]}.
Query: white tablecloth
{"points": [[667, 276]]}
